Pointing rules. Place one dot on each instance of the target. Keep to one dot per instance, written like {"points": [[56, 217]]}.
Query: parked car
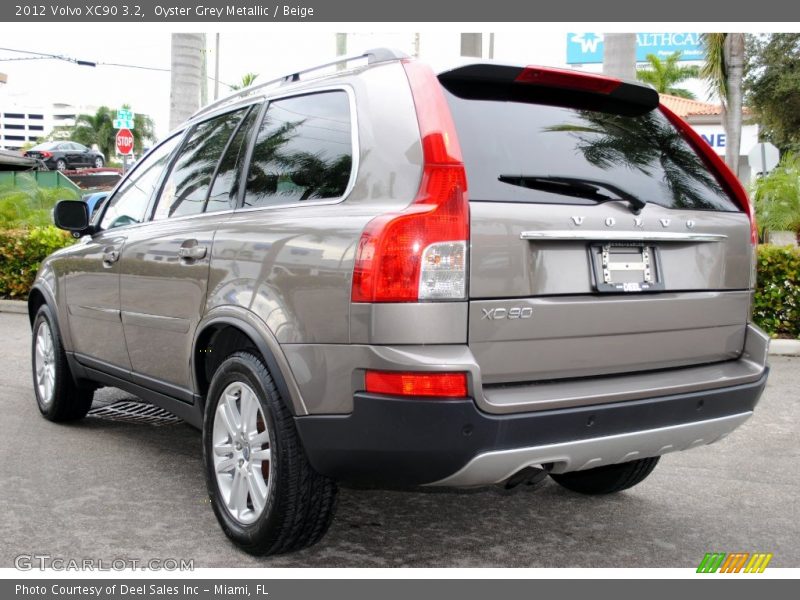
{"points": [[394, 277], [66, 155], [94, 201]]}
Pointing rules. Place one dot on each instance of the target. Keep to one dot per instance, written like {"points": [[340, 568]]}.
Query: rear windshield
{"points": [[524, 152]]}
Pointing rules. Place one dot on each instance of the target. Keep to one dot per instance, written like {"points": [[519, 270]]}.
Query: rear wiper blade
{"points": [[579, 187]]}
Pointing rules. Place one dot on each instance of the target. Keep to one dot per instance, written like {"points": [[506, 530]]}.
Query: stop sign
{"points": [[124, 141]]}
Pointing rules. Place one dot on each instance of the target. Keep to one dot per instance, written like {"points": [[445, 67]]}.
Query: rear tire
{"points": [[280, 504], [58, 396], [608, 479], [61, 165], [98, 163]]}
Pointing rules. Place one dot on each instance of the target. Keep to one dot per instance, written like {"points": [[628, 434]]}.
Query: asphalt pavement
{"points": [[103, 489]]}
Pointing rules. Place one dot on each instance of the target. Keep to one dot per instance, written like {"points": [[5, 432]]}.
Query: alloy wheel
{"points": [[45, 363], [241, 452]]}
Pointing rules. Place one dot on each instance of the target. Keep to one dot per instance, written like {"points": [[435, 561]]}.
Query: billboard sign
{"points": [[587, 47]]}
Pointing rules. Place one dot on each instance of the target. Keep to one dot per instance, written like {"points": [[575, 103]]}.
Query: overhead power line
{"points": [[82, 63]]}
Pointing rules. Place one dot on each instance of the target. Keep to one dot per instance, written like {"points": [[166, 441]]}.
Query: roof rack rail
{"points": [[374, 56]]}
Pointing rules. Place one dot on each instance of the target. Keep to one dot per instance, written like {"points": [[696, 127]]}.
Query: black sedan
{"points": [[66, 155]]}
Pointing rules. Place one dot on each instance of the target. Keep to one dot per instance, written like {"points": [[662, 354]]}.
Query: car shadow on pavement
{"points": [[530, 526]]}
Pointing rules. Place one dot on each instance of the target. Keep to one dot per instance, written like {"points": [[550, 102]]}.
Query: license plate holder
{"points": [[626, 267]]}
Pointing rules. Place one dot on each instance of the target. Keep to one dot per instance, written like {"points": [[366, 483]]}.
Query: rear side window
{"points": [[185, 190], [225, 189], [524, 152], [303, 151]]}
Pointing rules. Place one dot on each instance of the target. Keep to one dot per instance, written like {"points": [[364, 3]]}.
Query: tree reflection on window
{"points": [[303, 151], [648, 144]]}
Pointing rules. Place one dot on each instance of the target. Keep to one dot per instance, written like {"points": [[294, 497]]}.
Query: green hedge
{"points": [[777, 300], [776, 308], [21, 251]]}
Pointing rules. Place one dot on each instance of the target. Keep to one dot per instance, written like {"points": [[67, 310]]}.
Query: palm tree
{"points": [[186, 77], [98, 129], [724, 71], [663, 75], [247, 80], [777, 196]]}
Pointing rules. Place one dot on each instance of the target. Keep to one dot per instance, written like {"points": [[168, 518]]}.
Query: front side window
{"points": [[303, 151], [129, 204], [185, 190]]}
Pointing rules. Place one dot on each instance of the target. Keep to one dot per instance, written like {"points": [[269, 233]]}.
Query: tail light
{"points": [[420, 253], [45, 154], [400, 383], [729, 182]]}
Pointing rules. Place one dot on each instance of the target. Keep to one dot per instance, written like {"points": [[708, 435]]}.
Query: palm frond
{"points": [[715, 68]]}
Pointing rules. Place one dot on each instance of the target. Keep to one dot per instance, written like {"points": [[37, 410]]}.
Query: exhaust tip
{"points": [[529, 476]]}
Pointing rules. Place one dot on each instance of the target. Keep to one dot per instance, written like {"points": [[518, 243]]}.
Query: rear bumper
{"points": [[389, 441]]}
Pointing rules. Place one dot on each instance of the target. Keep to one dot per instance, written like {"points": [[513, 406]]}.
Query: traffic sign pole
{"points": [[124, 138], [124, 142]]}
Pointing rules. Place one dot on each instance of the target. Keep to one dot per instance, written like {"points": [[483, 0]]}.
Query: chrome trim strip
{"points": [[355, 146], [495, 467], [94, 312], [623, 236], [135, 319]]}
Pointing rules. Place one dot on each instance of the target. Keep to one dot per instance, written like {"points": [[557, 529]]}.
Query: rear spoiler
{"points": [[548, 85]]}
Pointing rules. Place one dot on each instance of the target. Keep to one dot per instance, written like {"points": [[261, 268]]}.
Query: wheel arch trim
{"points": [[264, 340]]}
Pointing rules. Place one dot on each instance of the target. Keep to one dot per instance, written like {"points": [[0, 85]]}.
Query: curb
{"points": [[14, 306], [776, 347], [784, 347]]}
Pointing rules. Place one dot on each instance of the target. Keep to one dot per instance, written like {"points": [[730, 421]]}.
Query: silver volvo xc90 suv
{"points": [[369, 272]]}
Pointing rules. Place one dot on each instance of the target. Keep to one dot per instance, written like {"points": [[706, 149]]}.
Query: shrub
{"points": [[777, 196], [776, 307], [27, 204], [21, 251]]}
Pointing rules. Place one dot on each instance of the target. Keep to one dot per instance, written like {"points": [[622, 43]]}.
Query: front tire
{"points": [[265, 494], [58, 396], [608, 479]]}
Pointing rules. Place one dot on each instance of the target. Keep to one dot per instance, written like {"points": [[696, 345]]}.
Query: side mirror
{"points": [[72, 215]]}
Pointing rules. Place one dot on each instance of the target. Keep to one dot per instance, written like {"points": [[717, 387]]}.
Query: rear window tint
{"points": [[505, 142], [303, 151]]}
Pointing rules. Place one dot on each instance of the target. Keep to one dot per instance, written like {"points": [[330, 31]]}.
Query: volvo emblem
{"points": [[665, 222], [610, 221], [578, 220]]}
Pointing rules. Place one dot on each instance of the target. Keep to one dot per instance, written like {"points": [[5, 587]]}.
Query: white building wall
{"points": [[21, 124]]}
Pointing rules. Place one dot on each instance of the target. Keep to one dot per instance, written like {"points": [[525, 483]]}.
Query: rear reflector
{"points": [[568, 80], [397, 383], [727, 179]]}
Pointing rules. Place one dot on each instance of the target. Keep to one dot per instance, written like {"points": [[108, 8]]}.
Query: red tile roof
{"points": [[685, 108]]}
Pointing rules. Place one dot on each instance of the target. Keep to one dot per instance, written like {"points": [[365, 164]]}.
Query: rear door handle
{"points": [[192, 252]]}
